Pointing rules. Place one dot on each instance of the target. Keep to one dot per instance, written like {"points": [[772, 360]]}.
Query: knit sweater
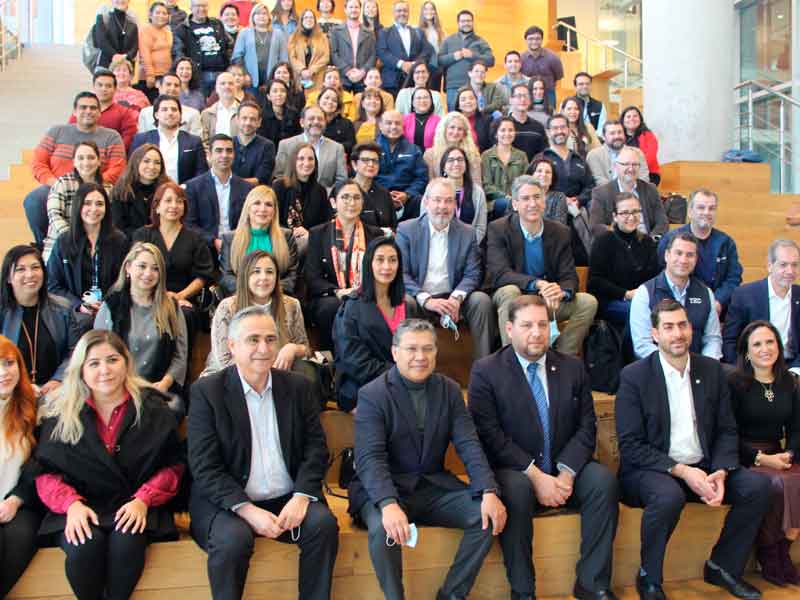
{"points": [[119, 118], [52, 158], [155, 51], [620, 262]]}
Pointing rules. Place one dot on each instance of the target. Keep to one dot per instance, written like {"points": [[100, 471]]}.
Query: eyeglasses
{"points": [[630, 165], [626, 214], [455, 159], [520, 96], [351, 198], [369, 161]]}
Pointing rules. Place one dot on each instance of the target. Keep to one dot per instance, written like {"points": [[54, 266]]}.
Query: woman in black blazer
{"points": [[86, 258], [367, 320], [111, 460], [280, 120], [335, 253], [481, 124], [339, 129], [133, 193]]}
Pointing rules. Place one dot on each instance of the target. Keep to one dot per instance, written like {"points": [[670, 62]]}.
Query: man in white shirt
{"points": [[258, 455], [170, 85], [441, 267], [219, 117], [677, 443]]}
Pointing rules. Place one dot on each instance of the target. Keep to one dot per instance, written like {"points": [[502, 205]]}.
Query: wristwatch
{"points": [[757, 459]]}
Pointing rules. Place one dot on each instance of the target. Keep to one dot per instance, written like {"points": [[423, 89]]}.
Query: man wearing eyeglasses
{"points": [[601, 160], [530, 136], [654, 219]]}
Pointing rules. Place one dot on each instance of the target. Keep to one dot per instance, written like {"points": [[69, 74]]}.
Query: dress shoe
{"points": [[442, 596], [790, 573], [735, 585], [516, 596], [581, 593], [649, 591]]}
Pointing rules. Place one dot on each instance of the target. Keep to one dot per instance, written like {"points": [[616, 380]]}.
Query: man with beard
{"points": [[601, 160], [254, 155], [654, 219], [442, 267], [677, 444], [572, 175], [718, 263], [677, 282], [459, 52]]}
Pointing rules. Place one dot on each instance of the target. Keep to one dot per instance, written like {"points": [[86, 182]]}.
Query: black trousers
{"points": [[107, 566], [431, 505], [323, 311], [594, 493], [17, 547], [663, 498], [231, 541]]}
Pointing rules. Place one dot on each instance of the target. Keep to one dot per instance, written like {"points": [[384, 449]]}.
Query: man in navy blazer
{"points": [[678, 442], [775, 299], [399, 47], [442, 267], [216, 198], [535, 470], [189, 159], [405, 421]]}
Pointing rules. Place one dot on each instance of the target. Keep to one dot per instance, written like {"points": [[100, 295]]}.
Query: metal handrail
{"points": [[627, 58], [767, 92], [5, 33]]}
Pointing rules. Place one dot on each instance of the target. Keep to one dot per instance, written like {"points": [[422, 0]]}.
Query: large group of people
{"points": [[293, 183]]}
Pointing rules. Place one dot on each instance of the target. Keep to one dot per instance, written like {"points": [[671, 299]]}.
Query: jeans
{"points": [[35, 205]]}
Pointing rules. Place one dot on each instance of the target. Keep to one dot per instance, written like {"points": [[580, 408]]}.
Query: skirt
{"points": [[785, 489]]}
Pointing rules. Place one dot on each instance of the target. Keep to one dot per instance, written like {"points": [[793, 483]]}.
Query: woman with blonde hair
{"points": [[19, 521], [454, 130], [140, 310], [259, 229], [112, 460], [309, 51], [431, 26], [257, 283], [259, 47]]}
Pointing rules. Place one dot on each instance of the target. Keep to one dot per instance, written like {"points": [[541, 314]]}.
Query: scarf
{"points": [[259, 240], [347, 255]]}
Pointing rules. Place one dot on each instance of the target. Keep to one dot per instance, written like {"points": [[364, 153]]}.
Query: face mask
{"points": [[554, 332], [448, 323]]}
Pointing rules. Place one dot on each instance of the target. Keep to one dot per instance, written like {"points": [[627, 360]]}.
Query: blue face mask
{"points": [[554, 332], [448, 323]]}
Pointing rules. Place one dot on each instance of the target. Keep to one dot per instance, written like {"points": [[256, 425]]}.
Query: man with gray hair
{"points": [[442, 267], [528, 254], [601, 160], [400, 476], [775, 299], [718, 263], [258, 455]]}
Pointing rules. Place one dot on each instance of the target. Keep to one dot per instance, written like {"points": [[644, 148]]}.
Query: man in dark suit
{"points": [[399, 47], [216, 198], [543, 463], [184, 159], [442, 267], [775, 299], [678, 443], [258, 455], [654, 218], [528, 254], [406, 419], [254, 155], [353, 64]]}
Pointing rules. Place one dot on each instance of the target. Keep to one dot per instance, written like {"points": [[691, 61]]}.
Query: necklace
{"points": [[32, 346], [769, 394], [122, 24]]}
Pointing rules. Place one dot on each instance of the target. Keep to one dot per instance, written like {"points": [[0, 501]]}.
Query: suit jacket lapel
{"points": [[214, 198], [402, 402], [96, 445], [794, 318], [452, 252], [699, 399], [237, 405], [556, 394], [424, 248], [517, 243], [660, 394], [283, 414], [521, 384]]}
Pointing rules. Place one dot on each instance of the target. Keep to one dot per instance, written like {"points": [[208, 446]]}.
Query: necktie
{"points": [[544, 415]]}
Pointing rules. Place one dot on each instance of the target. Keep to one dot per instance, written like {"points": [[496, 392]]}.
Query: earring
{"points": [[747, 358]]}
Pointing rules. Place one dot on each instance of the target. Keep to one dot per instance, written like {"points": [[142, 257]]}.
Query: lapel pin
{"points": [[697, 381], [552, 368]]}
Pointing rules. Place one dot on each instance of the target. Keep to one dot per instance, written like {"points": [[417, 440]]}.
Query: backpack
{"points": [[602, 355], [90, 53], [676, 207]]}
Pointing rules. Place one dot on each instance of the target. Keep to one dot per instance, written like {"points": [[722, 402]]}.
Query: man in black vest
{"points": [[678, 283], [593, 110]]}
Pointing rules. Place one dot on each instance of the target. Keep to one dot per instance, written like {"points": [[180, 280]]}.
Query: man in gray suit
{"points": [[353, 64], [654, 220], [442, 269], [331, 169]]}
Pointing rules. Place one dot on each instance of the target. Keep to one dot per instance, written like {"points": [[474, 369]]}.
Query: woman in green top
{"points": [[259, 229], [501, 165]]}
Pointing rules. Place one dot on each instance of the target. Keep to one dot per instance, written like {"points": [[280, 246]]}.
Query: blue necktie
{"points": [[544, 415]]}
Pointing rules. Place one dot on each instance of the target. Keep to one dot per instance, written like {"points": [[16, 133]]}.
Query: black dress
{"points": [[129, 213], [313, 202], [188, 259], [276, 129], [341, 130]]}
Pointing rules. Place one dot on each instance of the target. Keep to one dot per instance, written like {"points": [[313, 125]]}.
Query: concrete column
{"points": [[794, 111], [688, 52]]}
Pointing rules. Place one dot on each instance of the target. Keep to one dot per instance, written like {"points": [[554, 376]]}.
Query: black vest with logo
{"points": [[698, 304], [593, 110]]}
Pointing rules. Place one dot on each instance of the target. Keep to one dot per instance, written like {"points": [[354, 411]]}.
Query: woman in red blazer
{"points": [[637, 134]]}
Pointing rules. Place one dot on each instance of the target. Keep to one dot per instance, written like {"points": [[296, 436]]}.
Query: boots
{"points": [[790, 573], [769, 558]]}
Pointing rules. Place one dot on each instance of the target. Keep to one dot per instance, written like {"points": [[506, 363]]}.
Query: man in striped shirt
{"points": [[52, 158]]}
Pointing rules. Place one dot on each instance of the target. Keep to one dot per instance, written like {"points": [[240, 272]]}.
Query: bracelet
{"points": [[757, 459]]}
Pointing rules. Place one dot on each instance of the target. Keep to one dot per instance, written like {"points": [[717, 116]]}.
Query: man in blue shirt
{"points": [[254, 155], [718, 263], [677, 282]]}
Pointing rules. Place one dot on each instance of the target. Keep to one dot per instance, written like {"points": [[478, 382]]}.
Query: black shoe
{"points": [[649, 591], [441, 596], [581, 593], [735, 585], [516, 596]]}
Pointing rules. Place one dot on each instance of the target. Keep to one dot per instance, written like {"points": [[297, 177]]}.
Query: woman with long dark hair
{"points": [[86, 160], [284, 17], [638, 135], [88, 256], [338, 128], [431, 26], [540, 105], [418, 77], [501, 165], [367, 320], [191, 94], [302, 201], [279, 120], [283, 72], [765, 398], [467, 104], [42, 325], [419, 126], [370, 109], [309, 51], [19, 519], [582, 136], [112, 460], [132, 196]]}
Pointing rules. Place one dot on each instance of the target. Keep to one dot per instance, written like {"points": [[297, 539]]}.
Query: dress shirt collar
{"points": [[541, 364], [433, 231], [247, 388], [218, 181], [529, 237], [634, 191], [671, 372], [402, 28], [677, 291], [772, 294]]}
